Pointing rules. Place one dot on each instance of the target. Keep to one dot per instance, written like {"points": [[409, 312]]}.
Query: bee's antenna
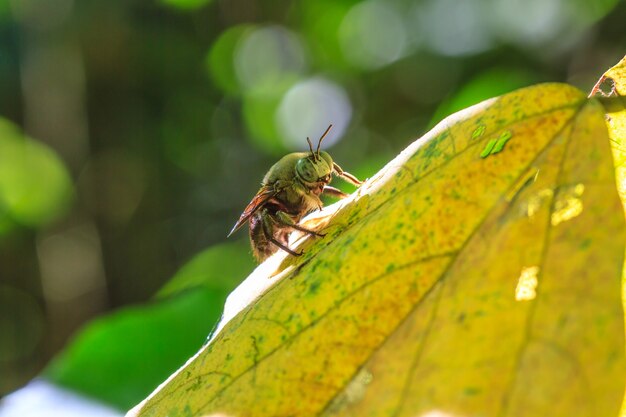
{"points": [[321, 139], [310, 147]]}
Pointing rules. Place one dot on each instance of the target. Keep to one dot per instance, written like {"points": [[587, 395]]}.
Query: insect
{"points": [[289, 191]]}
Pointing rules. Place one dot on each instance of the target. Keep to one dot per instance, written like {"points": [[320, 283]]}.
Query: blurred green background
{"points": [[133, 133]]}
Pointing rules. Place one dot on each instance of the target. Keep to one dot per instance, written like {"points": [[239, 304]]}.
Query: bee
{"points": [[290, 190]]}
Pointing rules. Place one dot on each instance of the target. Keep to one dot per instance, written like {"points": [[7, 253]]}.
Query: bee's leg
{"points": [[269, 235], [346, 175], [320, 205], [332, 191], [284, 219]]}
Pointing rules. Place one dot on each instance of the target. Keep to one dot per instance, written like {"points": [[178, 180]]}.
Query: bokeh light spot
{"points": [[35, 187], [528, 22], [259, 111], [267, 56], [220, 61], [71, 263], [372, 35], [453, 28], [308, 108]]}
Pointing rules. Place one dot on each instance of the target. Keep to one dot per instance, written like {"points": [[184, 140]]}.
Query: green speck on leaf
{"points": [[432, 150], [314, 288], [485, 153], [502, 140], [496, 145], [455, 194], [478, 132]]}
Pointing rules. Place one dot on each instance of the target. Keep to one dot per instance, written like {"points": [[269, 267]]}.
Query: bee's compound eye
{"points": [[306, 170]]}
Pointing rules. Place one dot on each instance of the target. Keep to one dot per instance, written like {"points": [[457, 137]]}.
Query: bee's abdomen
{"points": [[261, 247]]}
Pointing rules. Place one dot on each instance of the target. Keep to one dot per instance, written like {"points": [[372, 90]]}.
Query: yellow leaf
{"points": [[477, 274], [613, 84]]}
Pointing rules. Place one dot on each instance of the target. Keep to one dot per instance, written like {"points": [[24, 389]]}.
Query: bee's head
{"points": [[316, 167], [313, 170]]}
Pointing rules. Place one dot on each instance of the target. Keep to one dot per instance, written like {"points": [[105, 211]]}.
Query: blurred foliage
{"points": [[491, 83], [219, 267], [186, 4], [121, 358], [35, 187], [166, 114]]}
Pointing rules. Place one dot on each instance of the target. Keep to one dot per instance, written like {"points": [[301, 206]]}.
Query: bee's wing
{"points": [[262, 196]]}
